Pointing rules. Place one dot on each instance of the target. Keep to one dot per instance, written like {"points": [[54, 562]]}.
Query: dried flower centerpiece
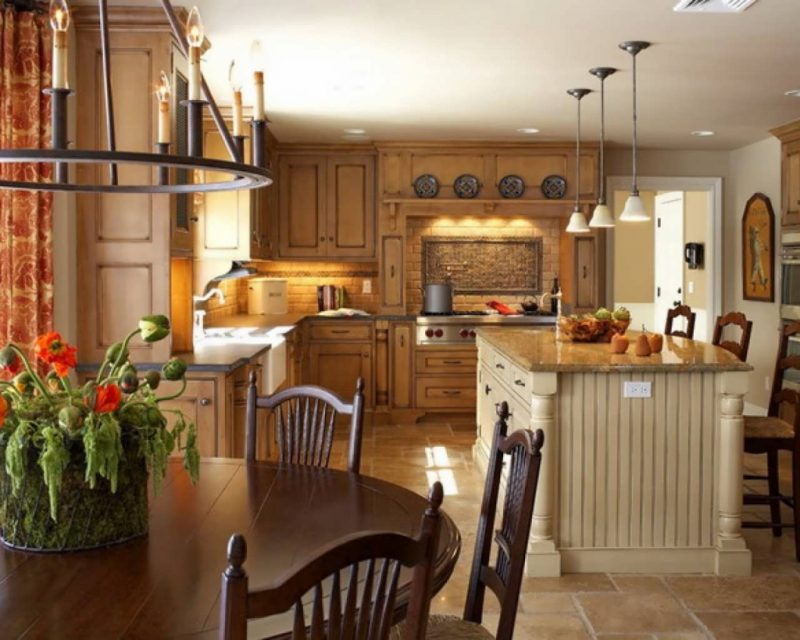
{"points": [[77, 459]]}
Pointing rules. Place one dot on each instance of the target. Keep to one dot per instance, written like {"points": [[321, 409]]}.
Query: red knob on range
{"points": [[429, 333], [464, 333], [471, 334], [439, 333]]}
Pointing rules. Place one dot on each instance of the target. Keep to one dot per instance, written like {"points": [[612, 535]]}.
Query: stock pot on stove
{"points": [[437, 298]]}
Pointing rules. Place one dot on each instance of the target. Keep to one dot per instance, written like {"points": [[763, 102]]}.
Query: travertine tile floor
{"points": [[605, 606]]}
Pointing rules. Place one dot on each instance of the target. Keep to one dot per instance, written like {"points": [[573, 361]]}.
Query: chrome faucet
{"points": [[198, 328], [557, 296]]}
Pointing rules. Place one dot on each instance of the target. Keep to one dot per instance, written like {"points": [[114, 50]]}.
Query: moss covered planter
{"points": [[86, 518]]}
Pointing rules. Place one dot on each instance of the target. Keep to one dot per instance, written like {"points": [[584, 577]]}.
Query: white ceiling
{"points": [[468, 69]]}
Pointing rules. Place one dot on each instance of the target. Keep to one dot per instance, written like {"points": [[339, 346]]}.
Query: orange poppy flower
{"points": [[107, 399], [50, 348], [3, 410]]}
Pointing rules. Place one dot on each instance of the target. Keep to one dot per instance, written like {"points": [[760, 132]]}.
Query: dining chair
{"points": [[374, 561], [771, 434], [522, 449], [681, 311], [305, 422], [734, 318]]}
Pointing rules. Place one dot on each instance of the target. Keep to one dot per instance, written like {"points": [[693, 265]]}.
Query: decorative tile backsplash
{"points": [[546, 230], [483, 265]]}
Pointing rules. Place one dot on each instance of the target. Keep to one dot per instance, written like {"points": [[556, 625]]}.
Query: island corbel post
{"points": [[648, 484]]}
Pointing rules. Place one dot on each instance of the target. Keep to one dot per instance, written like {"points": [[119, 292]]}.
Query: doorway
{"points": [[641, 257]]}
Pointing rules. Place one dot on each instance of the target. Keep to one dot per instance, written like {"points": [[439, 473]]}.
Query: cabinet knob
{"points": [[330, 238], [204, 402], [194, 219], [487, 390], [322, 238]]}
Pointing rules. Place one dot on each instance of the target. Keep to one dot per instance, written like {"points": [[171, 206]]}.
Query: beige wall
{"points": [[634, 251], [756, 167], [696, 214]]}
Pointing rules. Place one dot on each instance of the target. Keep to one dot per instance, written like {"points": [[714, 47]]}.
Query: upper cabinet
{"points": [[789, 136], [231, 225], [327, 206]]}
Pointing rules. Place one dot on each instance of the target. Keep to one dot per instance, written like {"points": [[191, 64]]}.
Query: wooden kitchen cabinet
{"points": [[337, 366], [200, 405], [231, 225], [789, 135], [401, 365], [444, 378], [326, 206]]}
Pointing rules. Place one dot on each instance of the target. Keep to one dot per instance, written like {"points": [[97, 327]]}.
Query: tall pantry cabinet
{"points": [[123, 239]]}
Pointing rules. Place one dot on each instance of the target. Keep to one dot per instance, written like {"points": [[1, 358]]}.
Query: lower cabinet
{"points": [[199, 404], [445, 378], [338, 354], [401, 365]]}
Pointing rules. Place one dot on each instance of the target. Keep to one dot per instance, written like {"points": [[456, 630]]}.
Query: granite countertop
{"points": [[290, 319], [536, 350], [221, 357]]}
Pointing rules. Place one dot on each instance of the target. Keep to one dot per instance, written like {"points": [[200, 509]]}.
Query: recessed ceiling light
{"points": [[703, 133], [355, 131], [529, 130], [794, 93]]}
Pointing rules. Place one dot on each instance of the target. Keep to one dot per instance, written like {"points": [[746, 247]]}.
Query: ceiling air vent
{"points": [[714, 6]]}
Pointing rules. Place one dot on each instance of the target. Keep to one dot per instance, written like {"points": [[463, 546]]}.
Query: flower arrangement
{"points": [[88, 449]]}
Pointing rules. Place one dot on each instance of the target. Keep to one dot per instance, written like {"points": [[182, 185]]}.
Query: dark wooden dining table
{"points": [[167, 584]]}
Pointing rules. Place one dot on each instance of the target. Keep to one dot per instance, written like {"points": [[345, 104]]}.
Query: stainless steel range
{"points": [[459, 328]]}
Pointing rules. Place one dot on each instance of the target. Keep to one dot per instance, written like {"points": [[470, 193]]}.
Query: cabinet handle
{"points": [[452, 362], [519, 383], [499, 365], [204, 402], [391, 271], [340, 331], [402, 341], [585, 272], [451, 392], [194, 219], [487, 389]]}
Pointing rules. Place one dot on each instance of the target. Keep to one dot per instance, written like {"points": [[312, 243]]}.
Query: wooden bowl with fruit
{"points": [[595, 327]]}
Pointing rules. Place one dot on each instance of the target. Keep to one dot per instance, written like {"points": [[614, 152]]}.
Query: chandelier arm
{"points": [[219, 121], [109, 97]]}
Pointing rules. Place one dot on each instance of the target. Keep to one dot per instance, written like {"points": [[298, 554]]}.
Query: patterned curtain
{"points": [[26, 256]]}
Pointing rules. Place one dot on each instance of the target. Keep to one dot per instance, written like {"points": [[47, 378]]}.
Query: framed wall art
{"points": [[758, 249]]}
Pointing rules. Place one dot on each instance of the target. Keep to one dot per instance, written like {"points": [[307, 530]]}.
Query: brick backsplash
{"points": [[467, 227]]}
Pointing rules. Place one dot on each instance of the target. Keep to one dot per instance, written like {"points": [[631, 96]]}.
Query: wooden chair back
{"points": [[305, 422], [734, 318], [681, 311], [783, 363], [368, 616], [504, 579]]}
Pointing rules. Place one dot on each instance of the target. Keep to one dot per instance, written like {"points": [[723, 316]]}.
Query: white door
{"points": [[669, 256]]}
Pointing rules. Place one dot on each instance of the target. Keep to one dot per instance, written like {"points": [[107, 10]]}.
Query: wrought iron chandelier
{"points": [[239, 174]]}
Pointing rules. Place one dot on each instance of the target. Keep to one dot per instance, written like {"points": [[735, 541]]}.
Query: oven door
{"points": [[790, 283], [791, 377]]}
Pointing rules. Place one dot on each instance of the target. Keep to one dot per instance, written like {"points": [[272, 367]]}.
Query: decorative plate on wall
{"points": [[511, 187], [466, 186], [554, 187], [426, 186]]}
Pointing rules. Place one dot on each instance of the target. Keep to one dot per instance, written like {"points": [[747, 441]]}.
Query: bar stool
{"points": [[739, 349], [681, 311]]}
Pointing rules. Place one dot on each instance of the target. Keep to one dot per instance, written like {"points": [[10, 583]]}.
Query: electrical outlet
{"points": [[366, 286], [691, 286], [637, 390]]}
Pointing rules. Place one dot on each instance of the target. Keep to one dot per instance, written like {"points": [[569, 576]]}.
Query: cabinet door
{"points": [[791, 184], [199, 404], [223, 228], [392, 272], [351, 207], [401, 364], [585, 273], [302, 220], [338, 366]]}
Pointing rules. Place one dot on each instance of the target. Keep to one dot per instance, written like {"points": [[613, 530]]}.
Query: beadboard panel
{"points": [[637, 472]]}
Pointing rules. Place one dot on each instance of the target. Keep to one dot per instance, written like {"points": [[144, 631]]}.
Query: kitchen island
{"points": [[628, 484]]}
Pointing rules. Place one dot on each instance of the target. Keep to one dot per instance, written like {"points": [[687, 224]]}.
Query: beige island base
{"points": [[641, 485]]}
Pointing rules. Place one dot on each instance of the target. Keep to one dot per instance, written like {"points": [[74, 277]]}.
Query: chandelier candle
{"points": [[163, 95], [59, 21], [195, 35], [256, 57]]}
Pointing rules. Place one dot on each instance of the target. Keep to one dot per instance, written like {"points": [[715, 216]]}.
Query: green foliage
{"points": [[53, 461]]}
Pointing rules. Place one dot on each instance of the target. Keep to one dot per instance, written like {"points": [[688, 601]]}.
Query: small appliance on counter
{"points": [[267, 296], [330, 297]]}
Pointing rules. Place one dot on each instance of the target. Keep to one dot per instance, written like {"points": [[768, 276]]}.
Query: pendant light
{"points": [[601, 216], [634, 207], [577, 221]]}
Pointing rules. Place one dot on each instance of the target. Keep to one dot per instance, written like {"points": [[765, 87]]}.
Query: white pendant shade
{"points": [[634, 210], [601, 217], [577, 223]]}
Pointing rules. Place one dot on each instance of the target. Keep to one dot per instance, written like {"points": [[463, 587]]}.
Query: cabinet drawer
{"points": [[445, 392], [501, 366], [342, 331], [520, 383], [450, 361]]}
